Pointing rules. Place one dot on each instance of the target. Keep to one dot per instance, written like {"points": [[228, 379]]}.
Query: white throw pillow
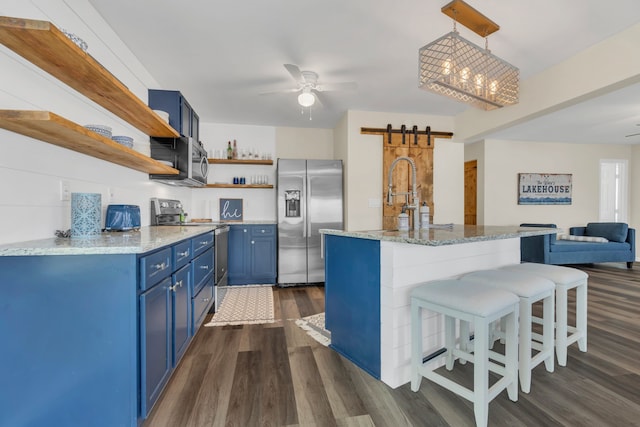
{"points": [[594, 239]]}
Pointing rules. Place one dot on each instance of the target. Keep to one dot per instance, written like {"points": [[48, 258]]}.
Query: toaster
{"points": [[122, 218]]}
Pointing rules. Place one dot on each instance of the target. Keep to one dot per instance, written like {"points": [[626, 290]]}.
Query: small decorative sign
{"points": [[544, 189], [230, 209]]}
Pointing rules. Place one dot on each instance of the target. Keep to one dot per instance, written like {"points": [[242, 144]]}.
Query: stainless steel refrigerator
{"points": [[309, 198]]}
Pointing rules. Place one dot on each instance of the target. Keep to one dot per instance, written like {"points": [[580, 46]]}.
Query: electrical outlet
{"points": [[65, 192]]}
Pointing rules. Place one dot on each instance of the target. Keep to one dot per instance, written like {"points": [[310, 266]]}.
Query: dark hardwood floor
{"points": [[276, 375]]}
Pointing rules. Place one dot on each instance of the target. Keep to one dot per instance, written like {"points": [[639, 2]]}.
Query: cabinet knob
{"points": [[205, 299], [204, 267], [185, 253], [252, 242], [244, 230], [262, 231], [160, 266]]}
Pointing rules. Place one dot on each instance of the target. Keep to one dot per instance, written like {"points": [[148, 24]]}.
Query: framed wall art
{"points": [[230, 209], [544, 189]]}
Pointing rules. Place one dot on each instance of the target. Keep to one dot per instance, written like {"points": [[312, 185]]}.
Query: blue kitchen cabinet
{"points": [[109, 330], [252, 254], [238, 255], [203, 277], [181, 116], [181, 310], [155, 342]]}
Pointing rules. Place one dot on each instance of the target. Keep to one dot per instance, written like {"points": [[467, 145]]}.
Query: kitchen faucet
{"points": [[414, 192]]}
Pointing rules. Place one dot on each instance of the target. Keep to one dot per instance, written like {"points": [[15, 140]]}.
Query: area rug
{"points": [[314, 325], [245, 305]]}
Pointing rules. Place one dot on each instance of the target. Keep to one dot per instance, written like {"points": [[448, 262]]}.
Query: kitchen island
{"points": [[93, 328], [370, 274]]}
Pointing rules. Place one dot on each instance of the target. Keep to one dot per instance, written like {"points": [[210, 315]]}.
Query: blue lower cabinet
{"points": [[202, 302], [238, 256], [181, 298], [155, 342], [116, 326], [252, 254]]}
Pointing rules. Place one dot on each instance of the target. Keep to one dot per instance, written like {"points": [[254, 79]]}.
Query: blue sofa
{"points": [[618, 245]]}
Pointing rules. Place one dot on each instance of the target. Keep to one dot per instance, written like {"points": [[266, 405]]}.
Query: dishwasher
{"points": [[221, 248]]}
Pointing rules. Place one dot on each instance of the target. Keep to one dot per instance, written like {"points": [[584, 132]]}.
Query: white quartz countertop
{"points": [[453, 235], [129, 242]]}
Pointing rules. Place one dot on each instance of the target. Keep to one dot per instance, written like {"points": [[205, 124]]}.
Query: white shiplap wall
{"points": [[31, 170]]}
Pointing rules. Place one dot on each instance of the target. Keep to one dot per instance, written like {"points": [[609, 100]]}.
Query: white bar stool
{"points": [[565, 278], [480, 305], [530, 289]]}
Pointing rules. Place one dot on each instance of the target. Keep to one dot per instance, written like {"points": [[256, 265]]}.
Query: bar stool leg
{"points": [[449, 340], [548, 331], [561, 325], [416, 346], [511, 354], [524, 367], [464, 339], [481, 373], [581, 316]]}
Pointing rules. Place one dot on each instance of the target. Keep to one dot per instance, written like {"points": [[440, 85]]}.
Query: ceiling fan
{"points": [[309, 87], [633, 134]]}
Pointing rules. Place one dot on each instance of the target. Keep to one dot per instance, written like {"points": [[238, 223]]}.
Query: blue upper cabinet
{"points": [[252, 254], [182, 116]]}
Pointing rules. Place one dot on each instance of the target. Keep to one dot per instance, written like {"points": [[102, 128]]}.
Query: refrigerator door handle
{"points": [[303, 206], [307, 189]]}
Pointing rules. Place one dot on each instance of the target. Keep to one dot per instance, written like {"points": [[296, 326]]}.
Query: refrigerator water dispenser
{"points": [[292, 203]]}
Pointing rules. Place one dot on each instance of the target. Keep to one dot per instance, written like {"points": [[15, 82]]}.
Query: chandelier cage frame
{"points": [[455, 67]]}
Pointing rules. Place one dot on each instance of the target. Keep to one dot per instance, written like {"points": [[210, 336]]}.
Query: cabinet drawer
{"points": [[155, 267], [201, 303], [202, 266], [181, 254], [263, 230], [201, 243]]}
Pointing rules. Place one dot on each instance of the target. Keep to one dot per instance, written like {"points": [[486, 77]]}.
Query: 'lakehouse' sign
{"points": [[544, 189]]}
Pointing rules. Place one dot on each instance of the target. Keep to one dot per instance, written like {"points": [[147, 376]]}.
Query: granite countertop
{"points": [[248, 222], [455, 234], [129, 242]]}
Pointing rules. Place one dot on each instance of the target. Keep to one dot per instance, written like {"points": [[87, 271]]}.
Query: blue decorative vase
{"points": [[86, 209]]}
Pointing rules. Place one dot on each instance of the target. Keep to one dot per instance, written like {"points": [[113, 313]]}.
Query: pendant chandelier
{"points": [[455, 67]]}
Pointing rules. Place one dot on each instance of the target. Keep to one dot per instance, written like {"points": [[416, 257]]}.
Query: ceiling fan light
{"points": [[306, 99]]}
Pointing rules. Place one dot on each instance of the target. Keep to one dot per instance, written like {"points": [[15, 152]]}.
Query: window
{"points": [[613, 190]]}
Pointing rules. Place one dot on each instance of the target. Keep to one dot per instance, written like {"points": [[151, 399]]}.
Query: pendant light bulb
{"points": [[306, 98]]}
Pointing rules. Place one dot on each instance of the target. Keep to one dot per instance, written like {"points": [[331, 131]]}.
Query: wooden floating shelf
{"points": [[240, 162], [43, 44], [51, 128], [237, 186]]}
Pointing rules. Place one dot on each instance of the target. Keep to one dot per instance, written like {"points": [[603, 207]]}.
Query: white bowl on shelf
{"points": [[100, 129]]}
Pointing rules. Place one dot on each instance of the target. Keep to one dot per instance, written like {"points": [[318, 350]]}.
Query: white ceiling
{"points": [[223, 54]]}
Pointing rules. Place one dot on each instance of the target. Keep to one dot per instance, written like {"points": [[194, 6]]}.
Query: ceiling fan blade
{"points": [[295, 72], [320, 100], [327, 87], [280, 91]]}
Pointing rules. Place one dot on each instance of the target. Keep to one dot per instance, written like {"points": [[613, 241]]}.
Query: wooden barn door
{"points": [[422, 155]]}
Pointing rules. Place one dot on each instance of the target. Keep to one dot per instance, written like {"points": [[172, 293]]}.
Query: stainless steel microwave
{"points": [[184, 154]]}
